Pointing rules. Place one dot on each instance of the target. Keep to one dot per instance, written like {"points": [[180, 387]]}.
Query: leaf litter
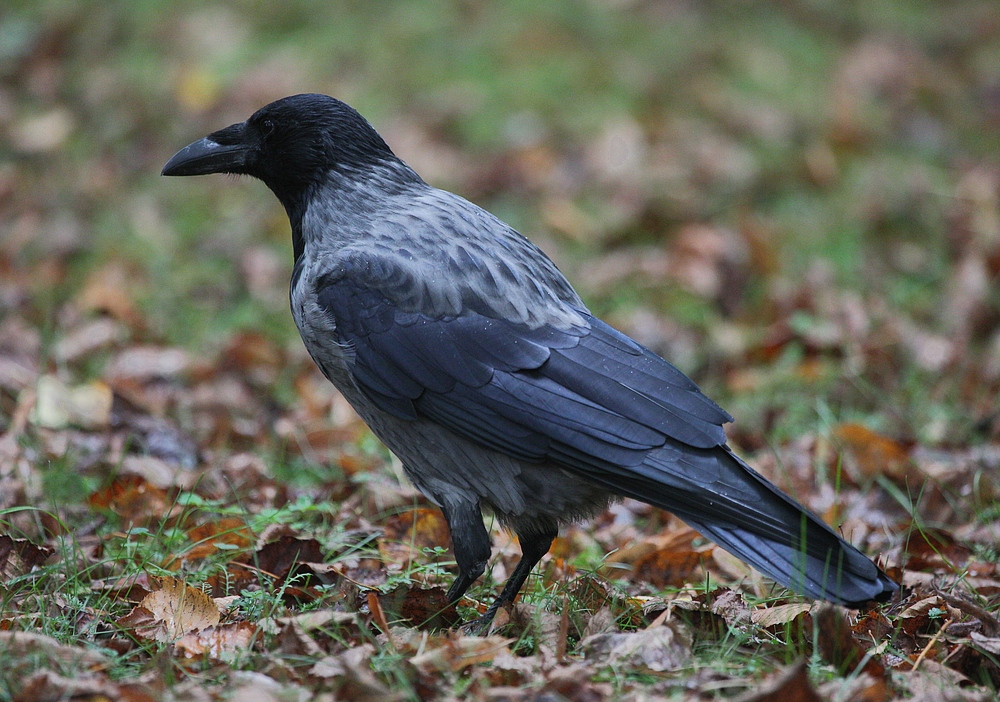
{"points": [[155, 526]]}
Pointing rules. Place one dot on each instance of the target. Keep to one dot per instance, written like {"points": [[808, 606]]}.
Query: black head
{"points": [[289, 144]]}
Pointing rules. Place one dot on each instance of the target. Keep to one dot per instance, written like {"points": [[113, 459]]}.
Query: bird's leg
{"points": [[471, 543], [533, 547]]}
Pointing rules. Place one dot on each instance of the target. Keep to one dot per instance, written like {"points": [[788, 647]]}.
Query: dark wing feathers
{"points": [[588, 391]]}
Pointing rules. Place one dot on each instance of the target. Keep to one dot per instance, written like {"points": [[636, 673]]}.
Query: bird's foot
{"points": [[480, 626]]}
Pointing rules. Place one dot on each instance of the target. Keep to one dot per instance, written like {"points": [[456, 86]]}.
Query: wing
{"points": [[583, 394]]}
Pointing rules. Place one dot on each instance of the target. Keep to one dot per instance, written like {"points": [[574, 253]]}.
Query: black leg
{"points": [[471, 544], [533, 547]]}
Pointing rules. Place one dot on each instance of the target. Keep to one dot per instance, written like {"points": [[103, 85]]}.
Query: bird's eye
{"points": [[267, 126]]}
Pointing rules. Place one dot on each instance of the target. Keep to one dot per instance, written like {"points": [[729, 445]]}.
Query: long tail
{"points": [[727, 501]]}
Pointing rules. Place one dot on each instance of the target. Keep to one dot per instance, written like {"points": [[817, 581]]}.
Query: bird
{"points": [[473, 359]]}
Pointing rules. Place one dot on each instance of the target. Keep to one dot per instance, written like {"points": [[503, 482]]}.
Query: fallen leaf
{"points": [[870, 454], [146, 363], [285, 557], [423, 608], [19, 556], [58, 405], [111, 289], [47, 651], [657, 649], [88, 338], [837, 644], [228, 531], [133, 498], [790, 685], [457, 652], [49, 685], [351, 675], [178, 609], [669, 567], [406, 535], [217, 641], [780, 615], [935, 548], [986, 643]]}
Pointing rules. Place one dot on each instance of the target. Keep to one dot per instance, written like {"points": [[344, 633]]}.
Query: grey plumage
{"points": [[469, 354]]}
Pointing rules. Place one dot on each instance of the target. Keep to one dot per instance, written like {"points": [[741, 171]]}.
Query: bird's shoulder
{"points": [[427, 251]]}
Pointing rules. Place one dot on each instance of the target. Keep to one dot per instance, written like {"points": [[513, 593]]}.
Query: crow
{"points": [[470, 355]]}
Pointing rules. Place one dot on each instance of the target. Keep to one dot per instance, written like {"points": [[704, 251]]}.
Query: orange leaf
{"points": [[407, 534], [871, 454], [668, 567], [133, 498], [231, 531]]}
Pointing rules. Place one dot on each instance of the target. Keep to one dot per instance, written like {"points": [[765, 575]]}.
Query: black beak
{"points": [[209, 156]]}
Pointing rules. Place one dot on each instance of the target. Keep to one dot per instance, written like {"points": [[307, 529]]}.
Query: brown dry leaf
{"points": [[990, 644], [47, 651], [456, 652], [863, 688], [48, 685], [255, 355], [19, 556], [516, 680], [777, 616], [179, 608], [352, 675], [669, 567], [873, 626], [147, 363], [58, 405], [406, 535], [731, 606], [217, 641], [934, 682], [286, 556], [231, 531], [657, 649], [131, 589], [88, 338], [935, 548], [294, 641], [525, 620], [917, 618], [735, 569], [303, 626], [110, 289], [837, 644], [133, 498], [424, 608], [709, 261], [870, 454], [364, 572], [235, 578], [791, 685]]}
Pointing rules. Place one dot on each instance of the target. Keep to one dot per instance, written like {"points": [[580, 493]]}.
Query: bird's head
{"points": [[290, 144]]}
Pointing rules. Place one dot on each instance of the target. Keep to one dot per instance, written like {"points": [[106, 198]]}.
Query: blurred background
{"points": [[797, 202]]}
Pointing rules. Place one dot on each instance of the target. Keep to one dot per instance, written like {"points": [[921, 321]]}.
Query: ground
{"points": [[797, 203]]}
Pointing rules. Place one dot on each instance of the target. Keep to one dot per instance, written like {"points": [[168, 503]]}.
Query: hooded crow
{"points": [[474, 360]]}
